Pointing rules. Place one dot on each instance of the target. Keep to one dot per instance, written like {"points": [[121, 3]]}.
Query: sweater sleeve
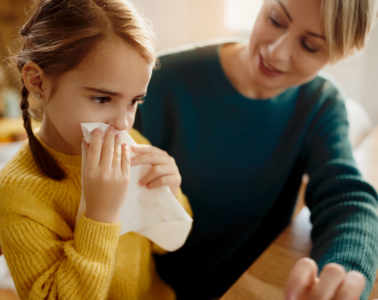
{"points": [[343, 206], [45, 266]]}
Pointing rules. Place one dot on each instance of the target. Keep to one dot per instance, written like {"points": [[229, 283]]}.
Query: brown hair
{"points": [[58, 35]]}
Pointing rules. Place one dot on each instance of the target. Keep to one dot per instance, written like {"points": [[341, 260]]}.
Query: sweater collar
{"points": [[67, 160]]}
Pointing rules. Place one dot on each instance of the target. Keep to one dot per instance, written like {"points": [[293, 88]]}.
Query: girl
{"points": [[81, 61], [244, 122]]}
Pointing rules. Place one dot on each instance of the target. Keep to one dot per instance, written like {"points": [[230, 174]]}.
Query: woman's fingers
{"points": [[352, 287], [330, 279], [302, 277]]}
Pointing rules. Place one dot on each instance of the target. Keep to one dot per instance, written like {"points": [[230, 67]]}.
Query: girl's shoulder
{"points": [[138, 137], [20, 166]]}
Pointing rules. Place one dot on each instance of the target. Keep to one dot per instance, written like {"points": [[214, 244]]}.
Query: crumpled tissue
{"points": [[153, 213]]}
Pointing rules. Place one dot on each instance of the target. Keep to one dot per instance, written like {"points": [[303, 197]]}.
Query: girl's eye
{"points": [[101, 100], [137, 101]]}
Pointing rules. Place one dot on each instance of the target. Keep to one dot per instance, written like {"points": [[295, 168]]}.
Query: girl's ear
{"points": [[33, 77]]}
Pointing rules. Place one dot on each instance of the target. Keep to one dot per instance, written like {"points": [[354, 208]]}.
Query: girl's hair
{"points": [[347, 24], [58, 35]]}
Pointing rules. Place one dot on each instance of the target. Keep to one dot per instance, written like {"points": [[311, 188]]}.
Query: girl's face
{"points": [[287, 46], [106, 86]]}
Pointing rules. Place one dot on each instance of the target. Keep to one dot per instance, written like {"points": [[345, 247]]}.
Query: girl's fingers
{"points": [[352, 286], [330, 279], [93, 150], [108, 148], [155, 172], [117, 152], [125, 159], [152, 158], [302, 277], [167, 180], [145, 149]]}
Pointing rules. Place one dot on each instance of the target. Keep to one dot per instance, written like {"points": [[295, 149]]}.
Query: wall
{"points": [[178, 22]]}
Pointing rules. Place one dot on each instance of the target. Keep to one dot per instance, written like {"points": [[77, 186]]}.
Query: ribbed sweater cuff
{"points": [[96, 239]]}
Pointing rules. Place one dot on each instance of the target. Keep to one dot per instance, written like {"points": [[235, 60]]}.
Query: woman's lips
{"points": [[268, 70]]}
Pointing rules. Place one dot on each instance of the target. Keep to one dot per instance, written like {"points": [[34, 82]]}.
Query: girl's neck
{"points": [[51, 137]]}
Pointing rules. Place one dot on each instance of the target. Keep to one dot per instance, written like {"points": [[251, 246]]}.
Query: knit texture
{"points": [[242, 162], [50, 256]]}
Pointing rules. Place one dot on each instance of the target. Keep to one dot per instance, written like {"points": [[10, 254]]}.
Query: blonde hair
{"points": [[347, 24], [57, 37]]}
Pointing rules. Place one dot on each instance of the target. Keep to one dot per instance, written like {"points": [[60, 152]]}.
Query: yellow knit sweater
{"points": [[51, 257]]}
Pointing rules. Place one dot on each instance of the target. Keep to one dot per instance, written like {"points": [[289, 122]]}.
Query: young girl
{"points": [[81, 61]]}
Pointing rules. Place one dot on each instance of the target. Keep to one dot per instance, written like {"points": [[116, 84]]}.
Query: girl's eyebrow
{"points": [[111, 93], [102, 91]]}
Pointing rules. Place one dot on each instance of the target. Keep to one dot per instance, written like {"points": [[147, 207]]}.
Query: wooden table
{"points": [[266, 278]]}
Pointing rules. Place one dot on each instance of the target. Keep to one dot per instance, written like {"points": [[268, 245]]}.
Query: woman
{"points": [[244, 123]]}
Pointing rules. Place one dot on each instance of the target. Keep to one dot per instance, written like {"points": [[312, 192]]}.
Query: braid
{"points": [[46, 163]]}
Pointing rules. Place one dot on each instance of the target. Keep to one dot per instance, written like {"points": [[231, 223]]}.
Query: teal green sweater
{"points": [[242, 161]]}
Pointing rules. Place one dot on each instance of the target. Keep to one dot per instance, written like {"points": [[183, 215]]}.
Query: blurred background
{"points": [[179, 23]]}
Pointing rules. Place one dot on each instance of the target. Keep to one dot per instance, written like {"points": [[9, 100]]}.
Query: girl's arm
{"points": [[45, 265]]}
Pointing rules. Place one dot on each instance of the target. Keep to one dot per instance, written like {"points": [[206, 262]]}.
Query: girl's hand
{"points": [[105, 175], [334, 283], [163, 168]]}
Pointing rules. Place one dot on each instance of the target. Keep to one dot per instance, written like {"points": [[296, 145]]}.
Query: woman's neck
{"points": [[235, 61]]}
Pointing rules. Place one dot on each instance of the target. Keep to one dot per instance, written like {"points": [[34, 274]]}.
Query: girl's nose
{"points": [[121, 122]]}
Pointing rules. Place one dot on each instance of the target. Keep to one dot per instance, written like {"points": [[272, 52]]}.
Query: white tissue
{"points": [[6, 281], [153, 213]]}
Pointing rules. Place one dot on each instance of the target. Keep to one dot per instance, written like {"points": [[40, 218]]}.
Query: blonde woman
{"points": [[244, 123], [81, 61]]}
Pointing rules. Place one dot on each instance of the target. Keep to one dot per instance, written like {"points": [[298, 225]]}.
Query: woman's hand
{"points": [[163, 170], [334, 283], [105, 176]]}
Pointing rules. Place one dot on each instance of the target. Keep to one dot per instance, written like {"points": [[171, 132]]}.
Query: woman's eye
{"points": [[276, 23], [101, 100], [309, 48]]}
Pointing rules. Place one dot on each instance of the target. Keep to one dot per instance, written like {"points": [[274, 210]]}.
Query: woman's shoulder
{"points": [[322, 90]]}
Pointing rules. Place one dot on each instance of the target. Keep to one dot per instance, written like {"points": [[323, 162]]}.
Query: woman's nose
{"points": [[281, 50]]}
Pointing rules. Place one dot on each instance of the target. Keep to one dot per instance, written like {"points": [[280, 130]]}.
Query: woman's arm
{"points": [[343, 206]]}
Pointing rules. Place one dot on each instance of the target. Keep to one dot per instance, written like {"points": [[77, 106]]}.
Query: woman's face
{"points": [[106, 86], [287, 46]]}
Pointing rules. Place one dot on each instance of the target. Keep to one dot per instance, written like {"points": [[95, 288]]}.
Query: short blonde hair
{"points": [[347, 24]]}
